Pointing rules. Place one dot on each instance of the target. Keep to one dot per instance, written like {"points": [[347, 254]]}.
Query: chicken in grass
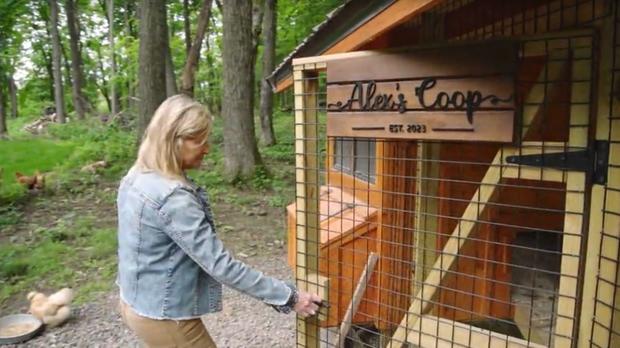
{"points": [[36, 181]]}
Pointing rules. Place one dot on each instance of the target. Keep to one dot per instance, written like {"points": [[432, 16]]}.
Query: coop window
{"points": [[355, 157]]}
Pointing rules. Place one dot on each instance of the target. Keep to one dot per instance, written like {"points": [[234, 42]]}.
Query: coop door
{"points": [[509, 220]]}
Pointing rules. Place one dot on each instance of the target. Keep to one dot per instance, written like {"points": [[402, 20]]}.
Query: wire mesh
{"points": [[471, 251], [606, 318]]}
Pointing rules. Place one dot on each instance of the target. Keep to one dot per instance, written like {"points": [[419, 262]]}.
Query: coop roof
{"points": [[346, 29]]}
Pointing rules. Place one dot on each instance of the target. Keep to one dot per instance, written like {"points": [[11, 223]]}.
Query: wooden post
{"points": [[345, 326], [307, 188], [426, 211], [593, 252]]}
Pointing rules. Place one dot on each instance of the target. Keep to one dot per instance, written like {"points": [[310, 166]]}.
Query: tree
{"points": [[56, 62], [171, 80], [241, 152], [13, 96], [79, 101], [152, 77], [269, 52], [113, 94], [4, 131], [186, 25], [191, 64], [11, 37]]}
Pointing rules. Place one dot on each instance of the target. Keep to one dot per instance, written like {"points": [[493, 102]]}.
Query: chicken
{"points": [[31, 182], [52, 310]]}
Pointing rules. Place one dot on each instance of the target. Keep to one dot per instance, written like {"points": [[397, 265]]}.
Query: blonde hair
{"points": [[178, 117]]}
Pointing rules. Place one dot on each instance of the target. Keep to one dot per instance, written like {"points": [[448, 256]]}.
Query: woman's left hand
{"points": [[307, 303]]}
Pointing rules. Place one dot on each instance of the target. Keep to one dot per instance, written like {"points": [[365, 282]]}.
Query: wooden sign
{"points": [[461, 93]]}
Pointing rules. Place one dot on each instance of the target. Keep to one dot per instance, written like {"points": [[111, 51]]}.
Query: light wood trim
{"points": [[426, 221], [571, 251], [593, 252], [392, 16], [308, 194], [345, 326], [332, 57], [284, 84], [568, 301], [433, 331]]}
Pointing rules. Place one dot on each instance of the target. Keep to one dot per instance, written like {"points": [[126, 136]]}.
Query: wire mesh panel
{"points": [[605, 231], [437, 243]]}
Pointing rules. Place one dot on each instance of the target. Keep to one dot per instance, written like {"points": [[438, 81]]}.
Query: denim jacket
{"points": [[171, 262]]}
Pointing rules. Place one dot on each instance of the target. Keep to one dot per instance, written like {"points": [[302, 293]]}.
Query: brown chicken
{"points": [[36, 181]]}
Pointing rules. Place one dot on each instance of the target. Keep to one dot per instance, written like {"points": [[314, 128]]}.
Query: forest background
{"points": [[104, 66]]}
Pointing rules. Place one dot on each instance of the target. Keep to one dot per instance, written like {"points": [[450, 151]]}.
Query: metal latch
{"points": [[593, 161]]}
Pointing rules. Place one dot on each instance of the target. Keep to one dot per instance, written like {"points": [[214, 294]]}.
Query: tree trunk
{"points": [[187, 27], [113, 97], [152, 74], [103, 85], [257, 25], [4, 131], [13, 97], [189, 71], [56, 63], [67, 67], [79, 101], [171, 80], [128, 15], [241, 152], [269, 53]]}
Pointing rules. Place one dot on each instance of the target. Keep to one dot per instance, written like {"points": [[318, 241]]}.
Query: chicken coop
{"points": [[457, 174]]}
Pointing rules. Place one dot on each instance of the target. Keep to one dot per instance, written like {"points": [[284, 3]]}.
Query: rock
{"points": [[261, 212]]}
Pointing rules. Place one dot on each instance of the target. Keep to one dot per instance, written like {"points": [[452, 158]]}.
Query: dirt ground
{"points": [[254, 231]]}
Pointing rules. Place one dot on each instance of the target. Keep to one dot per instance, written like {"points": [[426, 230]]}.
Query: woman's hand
{"points": [[307, 303]]}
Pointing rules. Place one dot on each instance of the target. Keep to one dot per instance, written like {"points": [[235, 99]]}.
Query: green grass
{"points": [[61, 256], [27, 156]]}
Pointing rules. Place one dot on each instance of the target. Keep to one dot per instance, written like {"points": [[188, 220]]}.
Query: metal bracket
{"points": [[593, 161]]}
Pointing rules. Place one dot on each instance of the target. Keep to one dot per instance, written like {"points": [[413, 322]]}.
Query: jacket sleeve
{"points": [[186, 223]]}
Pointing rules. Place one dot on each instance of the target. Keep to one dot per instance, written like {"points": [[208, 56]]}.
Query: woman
{"points": [[171, 263]]}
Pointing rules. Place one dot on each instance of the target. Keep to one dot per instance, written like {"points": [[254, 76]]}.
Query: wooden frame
{"points": [[599, 246], [307, 188]]}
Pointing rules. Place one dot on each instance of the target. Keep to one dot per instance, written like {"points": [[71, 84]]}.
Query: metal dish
{"points": [[19, 328]]}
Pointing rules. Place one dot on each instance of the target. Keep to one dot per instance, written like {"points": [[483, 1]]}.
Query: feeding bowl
{"points": [[18, 328]]}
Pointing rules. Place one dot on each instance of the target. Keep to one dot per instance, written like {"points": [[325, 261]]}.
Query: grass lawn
{"points": [[27, 156]]}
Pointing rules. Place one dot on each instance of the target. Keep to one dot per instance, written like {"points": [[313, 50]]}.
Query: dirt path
{"points": [[244, 322]]}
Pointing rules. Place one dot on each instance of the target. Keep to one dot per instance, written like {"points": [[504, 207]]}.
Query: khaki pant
{"points": [[167, 333]]}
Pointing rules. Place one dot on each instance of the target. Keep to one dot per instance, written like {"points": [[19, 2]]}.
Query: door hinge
{"points": [[593, 161]]}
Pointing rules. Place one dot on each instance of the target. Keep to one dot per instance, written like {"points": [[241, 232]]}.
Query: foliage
{"points": [[296, 20]]}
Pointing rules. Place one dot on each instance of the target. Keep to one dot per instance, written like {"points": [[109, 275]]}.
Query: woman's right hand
{"points": [[307, 303]]}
